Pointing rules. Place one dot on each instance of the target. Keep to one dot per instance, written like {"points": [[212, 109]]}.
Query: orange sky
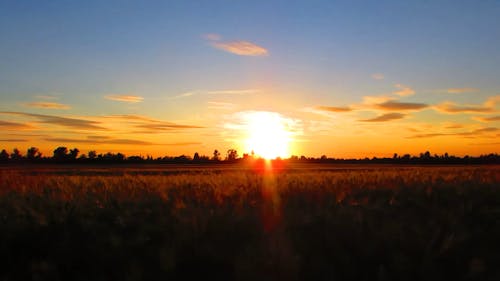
{"points": [[331, 78]]}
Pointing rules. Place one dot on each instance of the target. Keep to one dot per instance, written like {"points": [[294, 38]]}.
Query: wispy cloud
{"points": [[47, 105], [453, 126], [378, 76], [183, 143], [395, 105], [385, 117], [72, 123], [334, 108], [101, 141], [150, 125], [489, 106], [125, 98], [462, 90], [450, 107], [217, 92], [46, 97], [233, 92], [487, 119], [13, 140], [184, 95], [239, 47], [481, 132], [370, 100], [6, 125], [212, 36], [403, 90], [220, 105], [166, 126]]}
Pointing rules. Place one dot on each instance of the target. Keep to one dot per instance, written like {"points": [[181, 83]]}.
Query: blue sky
{"points": [[317, 54]]}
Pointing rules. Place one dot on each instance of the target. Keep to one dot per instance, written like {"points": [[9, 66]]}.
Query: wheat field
{"points": [[232, 223]]}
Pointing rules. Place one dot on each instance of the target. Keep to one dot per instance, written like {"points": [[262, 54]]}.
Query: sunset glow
{"points": [[341, 79], [267, 135]]}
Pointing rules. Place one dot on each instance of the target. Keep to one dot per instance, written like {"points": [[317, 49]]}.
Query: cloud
{"points": [[453, 126], [97, 142], [98, 137], [486, 130], [125, 98], [378, 76], [462, 90], [217, 92], [46, 97], [152, 125], [487, 119], [220, 105], [212, 37], [403, 91], [470, 134], [394, 105], [47, 105], [242, 48], [334, 108], [233, 92], [183, 143], [450, 107], [376, 99], [72, 123], [13, 140], [184, 95], [385, 117], [489, 106], [6, 125]]}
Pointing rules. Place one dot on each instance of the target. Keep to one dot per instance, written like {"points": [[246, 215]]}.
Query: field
{"points": [[312, 222]]}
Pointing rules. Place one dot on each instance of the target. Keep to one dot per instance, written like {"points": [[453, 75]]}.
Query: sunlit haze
{"points": [[267, 135]]}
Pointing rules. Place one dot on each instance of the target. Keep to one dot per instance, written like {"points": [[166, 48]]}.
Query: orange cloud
{"points": [[47, 105], [462, 90], [5, 125], [394, 105], [403, 91], [376, 99], [334, 108], [125, 98], [450, 107], [150, 125], [242, 48], [487, 119], [102, 141], [471, 134], [385, 117], [72, 123]]}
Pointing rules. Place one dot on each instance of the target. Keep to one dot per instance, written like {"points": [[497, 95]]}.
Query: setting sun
{"points": [[267, 134]]}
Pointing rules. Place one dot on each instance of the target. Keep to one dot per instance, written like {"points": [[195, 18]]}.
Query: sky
{"points": [[336, 78]]}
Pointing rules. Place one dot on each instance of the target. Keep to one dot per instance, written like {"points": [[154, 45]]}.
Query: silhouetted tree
{"points": [[73, 153], [16, 155], [232, 155], [196, 157], [4, 155], [92, 154], [33, 153], [216, 156], [60, 153]]}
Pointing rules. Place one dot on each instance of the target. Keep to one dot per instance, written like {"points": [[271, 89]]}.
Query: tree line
{"points": [[64, 155]]}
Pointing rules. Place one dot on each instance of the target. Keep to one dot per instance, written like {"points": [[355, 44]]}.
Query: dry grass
{"points": [[390, 223]]}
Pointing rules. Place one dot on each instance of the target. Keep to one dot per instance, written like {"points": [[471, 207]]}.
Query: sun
{"points": [[267, 134]]}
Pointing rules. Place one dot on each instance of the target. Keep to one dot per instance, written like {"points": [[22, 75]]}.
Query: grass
{"points": [[376, 223]]}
